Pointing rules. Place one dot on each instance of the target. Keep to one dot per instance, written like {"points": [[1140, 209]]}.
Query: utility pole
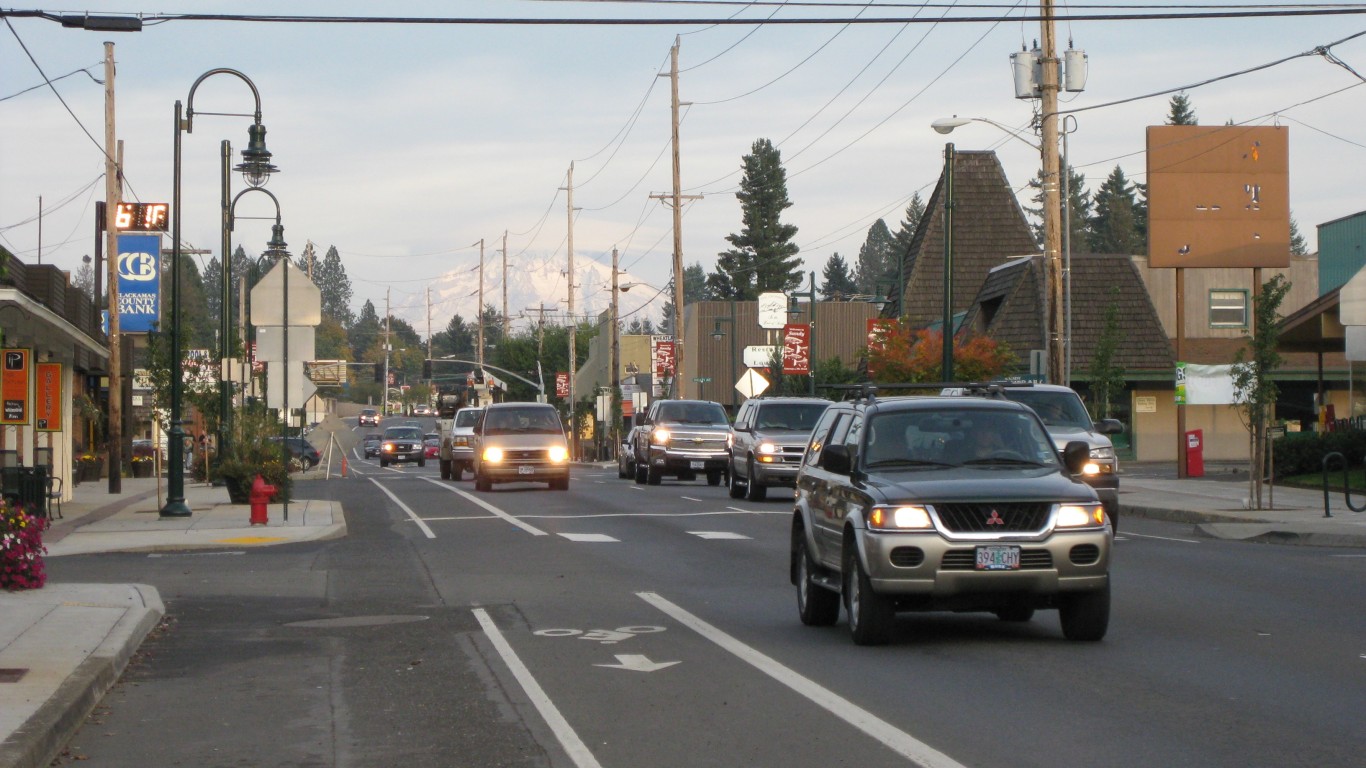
{"points": [[309, 258], [505, 287], [384, 384], [1052, 212], [113, 195], [614, 358], [479, 355], [429, 328], [573, 325], [676, 200]]}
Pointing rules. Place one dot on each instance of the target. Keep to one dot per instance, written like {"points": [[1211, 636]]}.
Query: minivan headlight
{"points": [[558, 454], [1080, 515], [493, 454]]}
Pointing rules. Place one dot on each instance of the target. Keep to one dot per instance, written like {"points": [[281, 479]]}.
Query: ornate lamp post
{"points": [[256, 170]]}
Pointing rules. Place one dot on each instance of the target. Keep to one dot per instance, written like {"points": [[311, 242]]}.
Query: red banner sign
{"points": [[878, 330], [14, 386], [662, 356], [797, 348], [562, 384], [47, 403]]}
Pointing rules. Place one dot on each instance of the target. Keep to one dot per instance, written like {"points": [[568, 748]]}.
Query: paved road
{"points": [[621, 625]]}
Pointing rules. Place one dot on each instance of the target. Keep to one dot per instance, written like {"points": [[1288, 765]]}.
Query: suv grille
{"points": [[993, 518], [966, 560]]}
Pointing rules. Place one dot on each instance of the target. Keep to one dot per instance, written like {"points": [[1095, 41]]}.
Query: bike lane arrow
{"points": [[636, 663]]}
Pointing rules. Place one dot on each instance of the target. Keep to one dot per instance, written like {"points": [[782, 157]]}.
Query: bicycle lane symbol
{"points": [[603, 636]]}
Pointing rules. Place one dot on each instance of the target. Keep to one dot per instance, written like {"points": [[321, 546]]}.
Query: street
{"points": [[625, 625]]}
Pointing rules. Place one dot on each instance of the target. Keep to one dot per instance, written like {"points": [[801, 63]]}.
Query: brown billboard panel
{"points": [[1218, 196]]}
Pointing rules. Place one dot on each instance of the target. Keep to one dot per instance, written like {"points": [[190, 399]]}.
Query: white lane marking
{"points": [[689, 498], [637, 663], [404, 507], [1160, 538], [717, 535], [534, 531], [889, 735], [573, 745], [656, 514], [589, 537]]}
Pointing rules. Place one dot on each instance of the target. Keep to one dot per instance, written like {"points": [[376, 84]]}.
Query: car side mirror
{"points": [[1075, 456], [1110, 427], [836, 459], [742, 426], [638, 420]]}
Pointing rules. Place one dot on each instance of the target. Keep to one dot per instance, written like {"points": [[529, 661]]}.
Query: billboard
{"points": [[139, 283], [1218, 196]]}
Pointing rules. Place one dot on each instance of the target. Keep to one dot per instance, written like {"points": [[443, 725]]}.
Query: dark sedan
{"points": [[370, 444]]}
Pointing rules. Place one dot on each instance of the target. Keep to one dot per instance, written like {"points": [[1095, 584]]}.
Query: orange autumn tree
{"points": [[917, 356]]}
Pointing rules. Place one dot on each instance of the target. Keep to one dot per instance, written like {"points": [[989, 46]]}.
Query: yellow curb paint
{"points": [[250, 540]]}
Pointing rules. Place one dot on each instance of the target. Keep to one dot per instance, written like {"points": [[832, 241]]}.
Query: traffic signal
{"points": [[379, 374], [426, 369]]}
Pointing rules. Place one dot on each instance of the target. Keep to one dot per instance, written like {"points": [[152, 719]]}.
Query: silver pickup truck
{"points": [[682, 438]]}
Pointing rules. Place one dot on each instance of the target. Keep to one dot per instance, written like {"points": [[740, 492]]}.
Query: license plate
{"points": [[699, 465], [998, 558], [526, 470]]}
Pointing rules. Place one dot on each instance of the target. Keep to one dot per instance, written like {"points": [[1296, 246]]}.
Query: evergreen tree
{"points": [[1113, 227], [84, 280], [1141, 216], [1298, 246], [876, 259], [914, 213], [839, 285], [330, 277], [365, 332], [641, 326], [1181, 112], [457, 339], [695, 284], [763, 256]]}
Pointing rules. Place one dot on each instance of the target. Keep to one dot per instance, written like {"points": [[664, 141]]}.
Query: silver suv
{"points": [[770, 437], [946, 504]]}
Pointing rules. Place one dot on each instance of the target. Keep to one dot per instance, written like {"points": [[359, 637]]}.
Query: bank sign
{"points": [[139, 283]]}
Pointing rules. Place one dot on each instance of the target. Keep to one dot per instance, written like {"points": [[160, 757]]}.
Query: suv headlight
{"points": [[767, 448], [911, 517], [493, 454], [1080, 516], [660, 436], [1102, 453]]}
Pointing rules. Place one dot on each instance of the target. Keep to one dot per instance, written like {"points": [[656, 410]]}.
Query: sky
{"points": [[403, 145]]}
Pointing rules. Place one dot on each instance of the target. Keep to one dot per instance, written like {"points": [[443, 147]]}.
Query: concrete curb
{"points": [[1213, 525], [41, 739]]}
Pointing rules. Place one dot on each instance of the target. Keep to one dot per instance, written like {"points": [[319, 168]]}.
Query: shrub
{"points": [[1301, 453], [21, 549]]}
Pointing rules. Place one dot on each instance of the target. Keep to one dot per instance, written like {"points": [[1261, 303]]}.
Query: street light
{"points": [[256, 167], [1050, 221], [718, 334]]}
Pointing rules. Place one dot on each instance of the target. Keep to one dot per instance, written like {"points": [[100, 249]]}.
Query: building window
{"points": [[1228, 309]]}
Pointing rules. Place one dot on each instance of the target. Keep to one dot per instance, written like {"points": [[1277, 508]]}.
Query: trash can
{"points": [[1195, 453]]}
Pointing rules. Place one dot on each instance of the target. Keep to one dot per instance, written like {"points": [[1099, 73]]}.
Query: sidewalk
{"points": [[63, 646]]}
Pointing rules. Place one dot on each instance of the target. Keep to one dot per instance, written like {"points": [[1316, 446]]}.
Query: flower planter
{"points": [[142, 469], [90, 470]]}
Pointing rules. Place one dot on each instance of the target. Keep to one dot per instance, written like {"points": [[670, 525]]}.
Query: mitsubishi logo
{"points": [[995, 518]]}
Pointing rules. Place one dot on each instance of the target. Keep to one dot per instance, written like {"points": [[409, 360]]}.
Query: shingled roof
{"points": [[998, 277], [988, 229]]}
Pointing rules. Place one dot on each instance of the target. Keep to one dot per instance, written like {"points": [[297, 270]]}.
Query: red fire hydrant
{"points": [[261, 493]]}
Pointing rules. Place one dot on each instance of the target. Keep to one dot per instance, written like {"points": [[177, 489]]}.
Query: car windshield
{"points": [[693, 413], [466, 418], [403, 433], [942, 437], [797, 417], [1057, 409], [371, 437], [509, 421]]}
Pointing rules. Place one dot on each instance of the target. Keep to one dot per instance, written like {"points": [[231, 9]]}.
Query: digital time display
{"points": [[142, 217]]}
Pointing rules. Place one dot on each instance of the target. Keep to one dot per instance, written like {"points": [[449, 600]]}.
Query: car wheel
{"points": [[754, 490], [1085, 615], [457, 471], [621, 469], [445, 470], [482, 484], [737, 489], [640, 474], [818, 606], [383, 463], [870, 614], [1015, 613], [559, 484], [653, 476], [422, 462], [714, 477]]}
